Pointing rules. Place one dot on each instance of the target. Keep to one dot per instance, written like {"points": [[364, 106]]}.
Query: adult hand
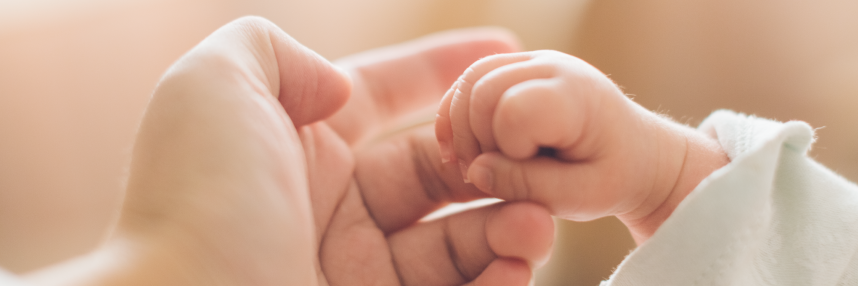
{"points": [[398, 176], [232, 182]]}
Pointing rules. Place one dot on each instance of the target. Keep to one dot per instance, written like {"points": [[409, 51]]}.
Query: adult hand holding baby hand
{"points": [[396, 179], [235, 182], [610, 156]]}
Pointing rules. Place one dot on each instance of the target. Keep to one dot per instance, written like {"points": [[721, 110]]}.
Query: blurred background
{"points": [[75, 77]]}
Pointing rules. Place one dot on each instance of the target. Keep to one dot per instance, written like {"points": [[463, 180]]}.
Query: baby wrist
{"points": [[700, 156]]}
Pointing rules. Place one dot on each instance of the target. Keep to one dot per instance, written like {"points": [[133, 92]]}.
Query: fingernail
{"points": [[482, 177], [446, 153], [464, 169]]}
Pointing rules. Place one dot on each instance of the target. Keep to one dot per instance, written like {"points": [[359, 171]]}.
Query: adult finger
{"points": [[504, 271], [402, 178], [394, 81], [311, 88], [485, 244], [256, 53], [215, 115], [217, 152]]}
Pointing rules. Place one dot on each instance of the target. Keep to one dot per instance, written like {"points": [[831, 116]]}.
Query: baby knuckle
{"points": [[469, 72], [521, 187]]}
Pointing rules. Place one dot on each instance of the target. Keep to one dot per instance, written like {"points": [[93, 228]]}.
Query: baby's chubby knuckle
{"points": [[520, 105], [510, 182], [578, 69], [465, 145], [465, 149], [461, 132], [473, 73], [459, 113], [562, 62], [554, 56], [489, 63], [520, 183], [487, 60], [468, 73]]}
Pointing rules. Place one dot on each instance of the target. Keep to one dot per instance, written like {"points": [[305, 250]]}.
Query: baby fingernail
{"points": [[464, 169], [482, 178], [446, 151]]}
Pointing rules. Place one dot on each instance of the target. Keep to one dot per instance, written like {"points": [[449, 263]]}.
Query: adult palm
{"points": [[398, 178], [235, 182]]}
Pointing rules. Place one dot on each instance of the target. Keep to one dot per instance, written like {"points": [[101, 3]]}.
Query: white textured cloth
{"points": [[7, 279], [772, 216]]}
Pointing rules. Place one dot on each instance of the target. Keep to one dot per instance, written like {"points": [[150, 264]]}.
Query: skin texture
{"points": [[235, 181], [547, 127]]}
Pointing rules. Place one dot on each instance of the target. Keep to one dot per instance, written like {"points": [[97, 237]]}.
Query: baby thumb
{"points": [[568, 190]]}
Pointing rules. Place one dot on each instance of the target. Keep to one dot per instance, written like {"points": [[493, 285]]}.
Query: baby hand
{"points": [[548, 127]]}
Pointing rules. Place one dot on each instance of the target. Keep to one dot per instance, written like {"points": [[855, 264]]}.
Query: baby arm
{"points": [[606, 154]]}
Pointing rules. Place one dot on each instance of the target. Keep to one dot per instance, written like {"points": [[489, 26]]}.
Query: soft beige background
{"points": [[76, 75]]}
